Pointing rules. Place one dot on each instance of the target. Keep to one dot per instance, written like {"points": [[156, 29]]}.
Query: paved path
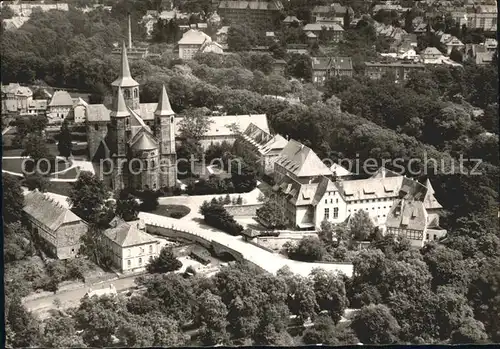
{"points": [[71, 298], [195, 201], [271, 262]]}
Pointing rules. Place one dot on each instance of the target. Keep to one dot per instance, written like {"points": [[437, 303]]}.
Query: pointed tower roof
{"points": [[144, 142], [125, 79], [120, 109], [164, 108]]}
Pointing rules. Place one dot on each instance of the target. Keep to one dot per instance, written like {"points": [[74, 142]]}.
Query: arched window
{"points": [[172, 119], [126, 93], [135, 93], [96, 127], [146, 164], [152, 164]]}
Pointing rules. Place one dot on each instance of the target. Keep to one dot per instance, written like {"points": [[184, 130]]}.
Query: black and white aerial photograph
{"points": [[226, 173]]}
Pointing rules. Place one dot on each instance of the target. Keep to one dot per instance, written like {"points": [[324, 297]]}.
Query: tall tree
{"points": [[87, 196], [213, 314], [65, 140], [13, 198], [361, 225], [127, 206], [375, 324], [164, 263], [330, 293]]}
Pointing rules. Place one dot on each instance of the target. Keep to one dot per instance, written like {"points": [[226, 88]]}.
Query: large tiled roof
{"points": [[431, 51], [274, 5], [319, 26], [340, 171], [301, 194], [126, 235], [17, 89], [338, 63], [97, 112], [371, 188], [302, 161], [61, 99], [194, 37], [223, 125], [262, 140], [15, 22], [407, 214], [48, 212]]}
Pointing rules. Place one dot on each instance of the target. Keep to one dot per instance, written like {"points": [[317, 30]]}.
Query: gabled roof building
{"points": [[57, 227], [308, 192], [129, 247], [260, 146], [260, 14]]}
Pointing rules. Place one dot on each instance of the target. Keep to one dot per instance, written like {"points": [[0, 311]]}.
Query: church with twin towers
{"points": [[134, 143]]}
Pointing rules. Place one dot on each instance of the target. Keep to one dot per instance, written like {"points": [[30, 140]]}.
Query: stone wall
{"points": [[176, 234], [243, 210]]}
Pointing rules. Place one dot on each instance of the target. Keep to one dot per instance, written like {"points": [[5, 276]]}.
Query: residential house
{"points": [[36, 107], [325, 67], [334, 13], [289, 20], [311, 37], [211, 46], [79, 111], [59, 107], [491, 45], [451, 42], [58, 229], [388, 7], [483, 17], [279, 66], [400, 70], [25, 9], [307, 194], [221, 35], [15, 22], [262, 147], [191, 43], [331, 31], [301, 49], [16, 98], [432, 55], [417, 221], [260, 14], [130, 248]]}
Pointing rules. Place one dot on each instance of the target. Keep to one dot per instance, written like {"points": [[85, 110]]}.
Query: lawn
{"points": [[173, 211], [71, 174], [16, 165]]}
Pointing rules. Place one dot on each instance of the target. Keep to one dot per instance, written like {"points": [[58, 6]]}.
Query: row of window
{"points": [[370, 200], [141, 250], [331, 201], [129, 262], [335, 213]]}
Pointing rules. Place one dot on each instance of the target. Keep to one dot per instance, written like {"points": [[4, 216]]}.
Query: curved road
{"points": [[271, 262]]}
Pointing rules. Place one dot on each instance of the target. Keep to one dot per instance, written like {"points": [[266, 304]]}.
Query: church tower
{"points": [[128, 85], [120, 120], [164, 128]]}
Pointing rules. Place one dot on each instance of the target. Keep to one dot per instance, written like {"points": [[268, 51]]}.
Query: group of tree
{"points": [[217, 216]]}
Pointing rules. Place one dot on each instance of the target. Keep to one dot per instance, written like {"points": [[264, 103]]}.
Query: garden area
{"points": [[172, 211]]}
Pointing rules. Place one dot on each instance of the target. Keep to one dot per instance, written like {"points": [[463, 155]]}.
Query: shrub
{"points": [[217, 216], [309, 249]]}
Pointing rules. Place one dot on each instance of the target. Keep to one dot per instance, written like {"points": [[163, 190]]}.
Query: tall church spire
{"points": [[125, 79], [120, 109], [129, 32], [164, 108]]}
